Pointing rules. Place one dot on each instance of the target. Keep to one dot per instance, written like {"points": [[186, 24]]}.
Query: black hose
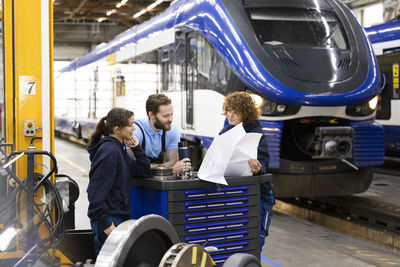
{"points": [[54, 227]]}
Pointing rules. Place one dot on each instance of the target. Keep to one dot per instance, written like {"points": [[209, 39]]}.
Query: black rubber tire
{"points": [[242, 260]]}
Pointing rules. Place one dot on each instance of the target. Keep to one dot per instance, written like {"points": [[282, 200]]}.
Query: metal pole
{"points": [[29, 200]]}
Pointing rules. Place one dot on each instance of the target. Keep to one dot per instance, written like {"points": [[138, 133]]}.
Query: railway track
{"points": [[373, 216], [375, 223]]}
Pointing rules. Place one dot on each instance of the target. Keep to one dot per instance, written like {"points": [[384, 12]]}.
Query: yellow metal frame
{"points": [[23, 66], [24, 31]]}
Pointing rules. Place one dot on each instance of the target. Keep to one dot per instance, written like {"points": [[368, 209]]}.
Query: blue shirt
{"points": [[154, 139]]}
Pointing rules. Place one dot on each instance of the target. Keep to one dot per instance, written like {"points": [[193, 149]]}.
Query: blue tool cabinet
{"points": [[226, 217]]}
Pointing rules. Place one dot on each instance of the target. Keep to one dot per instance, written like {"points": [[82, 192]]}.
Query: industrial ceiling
{"points": [[90, 22]]}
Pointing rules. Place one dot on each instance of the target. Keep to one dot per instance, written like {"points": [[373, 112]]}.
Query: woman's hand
{"points": [[131, 142], [255, 166], [109, 229]]}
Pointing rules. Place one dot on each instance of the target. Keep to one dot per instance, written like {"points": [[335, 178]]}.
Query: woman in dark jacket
{"points": [[111, 172], [240, 107]]}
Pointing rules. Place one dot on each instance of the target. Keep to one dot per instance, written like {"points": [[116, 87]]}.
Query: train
{"points": [[385, 40], [308, 65]]}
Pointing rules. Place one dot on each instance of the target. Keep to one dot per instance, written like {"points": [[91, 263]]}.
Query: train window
{"points": [[165, 76], [294, 26], [220, 74], [204, 55], [166, 69], [179, 61], [383, 108]]}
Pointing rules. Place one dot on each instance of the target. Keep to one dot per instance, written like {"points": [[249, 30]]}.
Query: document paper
{"points": [[228, 155]]}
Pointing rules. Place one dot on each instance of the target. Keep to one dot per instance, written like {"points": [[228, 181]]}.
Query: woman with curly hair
{"points": [[240, 107]]}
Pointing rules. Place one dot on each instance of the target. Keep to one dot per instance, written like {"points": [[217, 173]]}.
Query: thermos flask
{"points": [[183, 150]]}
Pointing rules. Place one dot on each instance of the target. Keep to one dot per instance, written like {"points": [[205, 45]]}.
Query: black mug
{"points": [[183, 150]]}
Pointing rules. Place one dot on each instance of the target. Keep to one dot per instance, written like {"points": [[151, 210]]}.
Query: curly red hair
{"points": [[242, 103]]}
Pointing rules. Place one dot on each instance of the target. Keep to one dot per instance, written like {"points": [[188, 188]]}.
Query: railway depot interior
{"points": [[324, 74]]}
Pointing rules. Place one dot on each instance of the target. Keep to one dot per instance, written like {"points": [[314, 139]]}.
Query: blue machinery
{"points": [[202, 213]]}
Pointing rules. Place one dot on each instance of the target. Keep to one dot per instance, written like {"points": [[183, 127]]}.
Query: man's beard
{"points": [[159, 125]]}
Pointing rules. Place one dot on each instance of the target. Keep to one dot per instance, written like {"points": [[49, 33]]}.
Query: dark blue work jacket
{"points": [[110, 176]]}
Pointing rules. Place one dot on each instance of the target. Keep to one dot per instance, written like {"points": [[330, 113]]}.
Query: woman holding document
{"points": [[240, 107]]}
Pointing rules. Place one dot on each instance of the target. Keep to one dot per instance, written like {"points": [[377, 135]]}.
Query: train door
{"points": [[191, 75], [186, 70]]}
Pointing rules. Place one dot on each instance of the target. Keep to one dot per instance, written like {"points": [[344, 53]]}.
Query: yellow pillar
{"points": [[28, 79], [28, 44]]}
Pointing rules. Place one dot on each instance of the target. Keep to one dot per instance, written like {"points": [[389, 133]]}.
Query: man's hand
{"points": [[182, 166], [109, 229], [131, 142]]}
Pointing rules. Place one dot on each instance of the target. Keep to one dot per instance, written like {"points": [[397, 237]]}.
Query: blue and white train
{"points": [[385, 40], [308, 64]]}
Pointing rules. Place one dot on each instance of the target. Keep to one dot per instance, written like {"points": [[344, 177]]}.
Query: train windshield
{"points": [[294, 26]]}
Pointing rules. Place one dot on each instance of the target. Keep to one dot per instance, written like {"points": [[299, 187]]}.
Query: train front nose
{"points": [[334, 142]]}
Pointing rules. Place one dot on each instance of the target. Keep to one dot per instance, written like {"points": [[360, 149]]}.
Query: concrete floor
{"points": [[291, 242]]}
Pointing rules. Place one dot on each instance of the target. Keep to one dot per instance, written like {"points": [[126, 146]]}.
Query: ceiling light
{"points": [[156, 3], [141, 12], [118, 5], [123, 2], [109, 12], [100, 19]]}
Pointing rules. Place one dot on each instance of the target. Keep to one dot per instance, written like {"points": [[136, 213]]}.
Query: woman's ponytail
{"points": [[101, 130], [116, 117]]}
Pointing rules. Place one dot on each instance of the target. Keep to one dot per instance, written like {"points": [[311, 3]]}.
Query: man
{"points": [[158, 136]]}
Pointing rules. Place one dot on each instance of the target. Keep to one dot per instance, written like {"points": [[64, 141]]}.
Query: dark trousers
{"points": [[99, 237], [267, 202]]}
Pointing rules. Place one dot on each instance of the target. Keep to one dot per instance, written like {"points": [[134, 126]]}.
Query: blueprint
{"points": [[228, 155]]}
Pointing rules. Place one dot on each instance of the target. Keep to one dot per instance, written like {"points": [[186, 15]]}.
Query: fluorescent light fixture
{"points": [[6, 237], [109, 12], [141, 12], [118, 5], [100, 19], [123, 2], [156, 3]]}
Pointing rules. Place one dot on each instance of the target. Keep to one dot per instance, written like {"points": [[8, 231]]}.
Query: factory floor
{"points": [[291, 242]]}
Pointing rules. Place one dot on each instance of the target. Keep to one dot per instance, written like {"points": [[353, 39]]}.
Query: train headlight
{"points": [[364, 109], [373, 103], [269, 107], [257, 99], [272, 108], [280, 108]]}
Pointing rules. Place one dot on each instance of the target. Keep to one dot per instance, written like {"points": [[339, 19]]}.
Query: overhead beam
{"points": [[359, 4], [76, 10]]}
